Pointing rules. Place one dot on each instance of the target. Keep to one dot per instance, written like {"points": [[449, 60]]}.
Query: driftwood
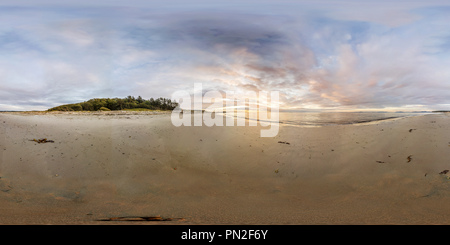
{"points": [[444, 172], [284, 142], [44, 140], [141, 218], [409, 158]]}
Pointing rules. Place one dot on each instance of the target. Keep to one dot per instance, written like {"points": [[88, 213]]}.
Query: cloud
{"points": [[352, 64], [331, 55]]}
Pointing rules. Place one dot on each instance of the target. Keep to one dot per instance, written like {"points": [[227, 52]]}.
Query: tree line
{"points": [[113, 104]]}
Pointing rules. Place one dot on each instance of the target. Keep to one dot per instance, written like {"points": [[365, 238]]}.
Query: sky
{"points": [[330, 55]]}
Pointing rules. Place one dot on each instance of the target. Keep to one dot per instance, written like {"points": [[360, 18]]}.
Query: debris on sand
{"points": [[444, 172], [144, 218], [5, 186], [380, 162], [44, 140], [284, 142], [409, 158], [412, 130]]}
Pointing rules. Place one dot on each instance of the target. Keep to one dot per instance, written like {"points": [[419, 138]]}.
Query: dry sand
{"points": [[107, 165]]}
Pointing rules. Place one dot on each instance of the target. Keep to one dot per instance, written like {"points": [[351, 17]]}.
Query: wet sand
{"points": [[105, 165]]}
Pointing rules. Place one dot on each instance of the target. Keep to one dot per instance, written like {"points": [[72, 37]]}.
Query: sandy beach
{"points": [[101, 166]]}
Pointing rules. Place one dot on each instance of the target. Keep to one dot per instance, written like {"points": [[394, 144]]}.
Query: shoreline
{"points": [[122, 112], [159, 112], [390, 172]]}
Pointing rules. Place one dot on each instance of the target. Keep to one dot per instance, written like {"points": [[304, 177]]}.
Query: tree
{"points": [[87, 106], [112, 104], [139, 99], [129, 102], [76, 107]]}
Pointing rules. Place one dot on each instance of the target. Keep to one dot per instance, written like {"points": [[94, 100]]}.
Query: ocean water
{"points": [[334, 118]]}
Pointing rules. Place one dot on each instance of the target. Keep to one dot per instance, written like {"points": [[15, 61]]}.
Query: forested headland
{"points": [[113, 104]]}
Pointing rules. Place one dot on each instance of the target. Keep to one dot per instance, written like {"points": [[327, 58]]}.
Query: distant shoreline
{"points": [[117, 112], [282, 122], [203, 110]]}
